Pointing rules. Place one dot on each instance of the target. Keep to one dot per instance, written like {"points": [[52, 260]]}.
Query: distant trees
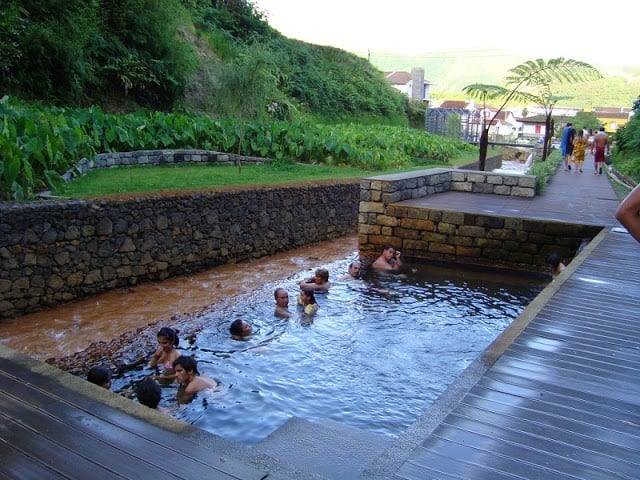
{"points": [[531, 82]]}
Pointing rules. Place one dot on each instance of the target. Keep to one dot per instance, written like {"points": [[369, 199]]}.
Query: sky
{"points": [[601, 35]]}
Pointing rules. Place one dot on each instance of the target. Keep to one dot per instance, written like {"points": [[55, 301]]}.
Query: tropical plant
{"points": [[531, 82], [244, 88]]}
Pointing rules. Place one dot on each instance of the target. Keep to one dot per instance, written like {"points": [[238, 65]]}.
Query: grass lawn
{"points": [[149, 179]]}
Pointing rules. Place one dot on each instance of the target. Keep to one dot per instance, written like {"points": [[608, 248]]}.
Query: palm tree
{"points": [[531, 82]]}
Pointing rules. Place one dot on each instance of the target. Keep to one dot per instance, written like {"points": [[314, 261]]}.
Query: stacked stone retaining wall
{"points": [[457, 236], [57, 251], [156, 157]]}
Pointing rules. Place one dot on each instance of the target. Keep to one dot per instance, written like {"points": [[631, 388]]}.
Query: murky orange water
{"points": [[70, 328]]}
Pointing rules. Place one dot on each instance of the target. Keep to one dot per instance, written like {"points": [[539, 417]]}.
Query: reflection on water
{"points": [[376, 354]]}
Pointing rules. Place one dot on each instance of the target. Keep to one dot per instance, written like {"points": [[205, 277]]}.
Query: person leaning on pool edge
{"points": [[388, 261]]}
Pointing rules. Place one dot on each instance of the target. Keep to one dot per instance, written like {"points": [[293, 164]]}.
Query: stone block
{"points": [[446, 228], [415, 245], [502, 190], [417, 224], [472, 231], [456, 218], [465, 251], [462, 186], [371, 207], [523, 192], [527, 181], [442, 248]]}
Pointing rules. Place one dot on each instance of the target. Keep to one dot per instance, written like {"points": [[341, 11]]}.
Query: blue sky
{"points": [[546, 29]]}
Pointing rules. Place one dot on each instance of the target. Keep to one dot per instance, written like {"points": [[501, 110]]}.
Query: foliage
{"points": [[626, 157], [333, 83], [76, 52], [415, 114], [543, 171], [532, 82], [585, 121], [160, 54], [40, 143]]}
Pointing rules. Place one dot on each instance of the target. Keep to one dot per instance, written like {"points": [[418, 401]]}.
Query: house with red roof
{"points": [[411, 84]]}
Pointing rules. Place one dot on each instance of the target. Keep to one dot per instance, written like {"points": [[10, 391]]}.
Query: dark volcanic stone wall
{"points": [[54, 252]]}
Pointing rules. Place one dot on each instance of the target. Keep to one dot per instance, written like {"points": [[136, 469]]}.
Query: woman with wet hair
{"points": [[166, 353]]}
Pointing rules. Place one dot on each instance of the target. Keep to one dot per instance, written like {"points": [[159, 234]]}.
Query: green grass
{"points": [[153, 179]]}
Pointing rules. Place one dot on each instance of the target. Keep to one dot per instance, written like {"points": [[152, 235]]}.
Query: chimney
{"points": [[417, 84]]}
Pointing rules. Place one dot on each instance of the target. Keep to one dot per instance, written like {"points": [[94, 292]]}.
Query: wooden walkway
{"points": [[55, 425]]}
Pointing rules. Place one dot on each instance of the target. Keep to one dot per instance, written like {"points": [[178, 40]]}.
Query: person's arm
{"points": [[628, 213], [156, 357], [397, 262]]}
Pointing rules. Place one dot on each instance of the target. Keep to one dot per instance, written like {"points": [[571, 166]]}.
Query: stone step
{"points": [[326, 448]]}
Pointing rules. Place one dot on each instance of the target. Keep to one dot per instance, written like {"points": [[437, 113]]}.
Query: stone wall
{"points": [[156, 157], [455, 236], [57, 251]]}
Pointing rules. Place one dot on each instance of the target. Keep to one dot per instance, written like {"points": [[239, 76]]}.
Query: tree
{"points": [[531, 82], [244, 89]]}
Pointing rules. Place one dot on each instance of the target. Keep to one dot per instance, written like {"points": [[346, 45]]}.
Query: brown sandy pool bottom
{"points": [[67, 329]]}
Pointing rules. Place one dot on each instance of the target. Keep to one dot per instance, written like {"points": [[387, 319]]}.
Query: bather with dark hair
{"points": [[190, 380]]}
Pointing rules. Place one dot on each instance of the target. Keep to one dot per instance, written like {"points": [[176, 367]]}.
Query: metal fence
{"points": [[457, 123]]}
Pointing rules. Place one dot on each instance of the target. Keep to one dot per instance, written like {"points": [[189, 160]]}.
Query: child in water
{"points": [[307, 300], [166, 353]]}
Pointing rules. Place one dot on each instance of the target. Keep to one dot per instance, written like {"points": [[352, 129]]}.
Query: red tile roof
{"points": [[398, 78]]}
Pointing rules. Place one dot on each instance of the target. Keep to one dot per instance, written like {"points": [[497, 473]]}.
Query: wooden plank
{"points": [[44, 451], [65, 438], [15, 464], [131, 436]]}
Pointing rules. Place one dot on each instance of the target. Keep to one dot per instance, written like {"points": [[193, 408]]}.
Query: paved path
{"points": [[568, 197]]}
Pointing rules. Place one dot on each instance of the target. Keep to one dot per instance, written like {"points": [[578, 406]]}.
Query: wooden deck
{"points": [[54, 427]]}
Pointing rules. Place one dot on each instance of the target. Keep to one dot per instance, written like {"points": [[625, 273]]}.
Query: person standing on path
{"points": [[566, 144], [601, 149], [579, 150]]}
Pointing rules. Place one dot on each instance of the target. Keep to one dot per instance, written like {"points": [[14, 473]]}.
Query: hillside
{"points": [[450, 70], [218, 57]]}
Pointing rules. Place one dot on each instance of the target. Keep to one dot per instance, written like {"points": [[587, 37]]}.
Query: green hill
{"points": [[193, 55], [450, 70]]}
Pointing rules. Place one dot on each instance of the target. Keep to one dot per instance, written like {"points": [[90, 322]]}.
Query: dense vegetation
{"points": [[178, 54], [38, 143], [627, 141], [78, 78]]}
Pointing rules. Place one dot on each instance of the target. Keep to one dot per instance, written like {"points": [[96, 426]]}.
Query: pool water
{"points": [[377, 353]]}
